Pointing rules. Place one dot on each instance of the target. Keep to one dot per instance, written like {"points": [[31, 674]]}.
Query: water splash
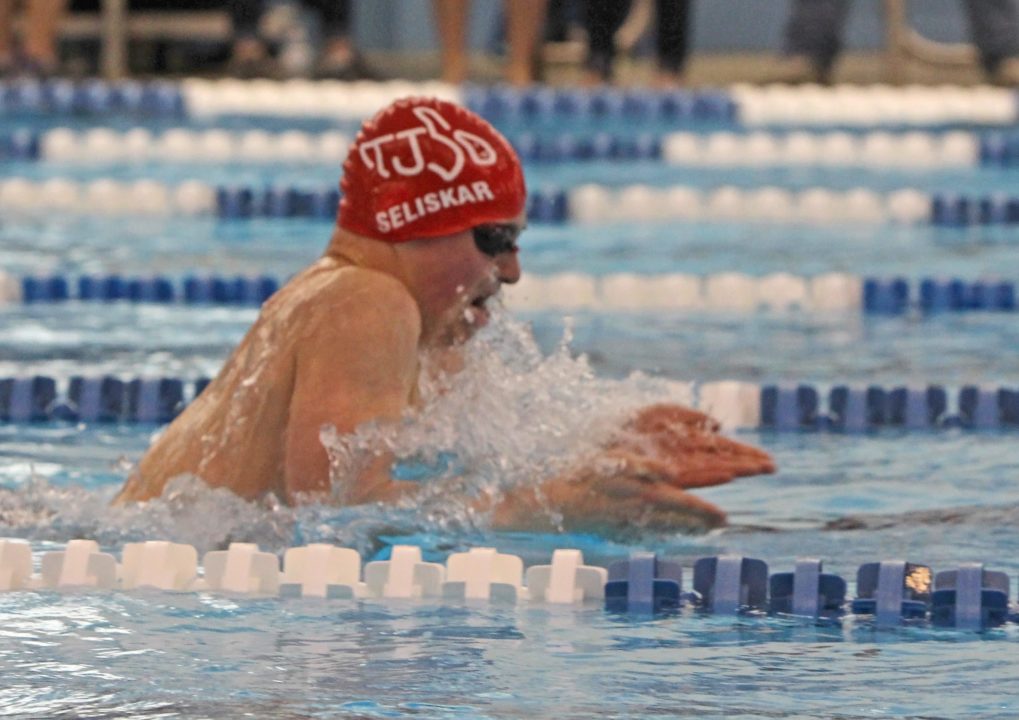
{"points": [[513, 416]]}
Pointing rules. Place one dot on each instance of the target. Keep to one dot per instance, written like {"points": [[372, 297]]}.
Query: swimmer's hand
{"points": [[640, 478]]}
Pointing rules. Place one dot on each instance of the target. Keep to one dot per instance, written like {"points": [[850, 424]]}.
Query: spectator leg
{"points": [[6, 35], [245, 14], [248, 56], [673, 21], [42, 20], [814, 31], [604, 18], [994, 29], [525, 22], [451, 18], [335, 14], [338, 54]]}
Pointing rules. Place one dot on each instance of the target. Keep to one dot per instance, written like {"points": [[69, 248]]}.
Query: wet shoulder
{"points": [[326, 290]]}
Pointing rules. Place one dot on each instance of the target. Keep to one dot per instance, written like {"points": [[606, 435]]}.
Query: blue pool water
{"points": [[940, 497]]}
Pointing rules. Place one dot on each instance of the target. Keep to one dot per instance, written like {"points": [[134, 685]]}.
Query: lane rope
{"points": [[726, 292], [752, 106], [805, 407], [584, 204], [879, 149], [889, 593]]}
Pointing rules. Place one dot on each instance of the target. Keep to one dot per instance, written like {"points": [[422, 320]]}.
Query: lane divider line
{"points": [[805, 407], [889, 593], [723, 292]]}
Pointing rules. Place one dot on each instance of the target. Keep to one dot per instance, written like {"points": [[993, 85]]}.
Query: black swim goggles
{"points": [[494, 239]]}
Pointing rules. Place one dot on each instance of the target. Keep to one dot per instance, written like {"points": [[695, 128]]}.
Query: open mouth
{"points": [[476, 313]]}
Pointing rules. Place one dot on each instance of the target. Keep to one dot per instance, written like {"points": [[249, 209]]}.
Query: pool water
{"points": [[941, 497]]}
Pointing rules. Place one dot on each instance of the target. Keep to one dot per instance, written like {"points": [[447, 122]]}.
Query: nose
{"points": [[508, 266]]}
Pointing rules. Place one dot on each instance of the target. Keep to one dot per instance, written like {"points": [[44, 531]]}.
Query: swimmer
{"points": [[433, 204]]}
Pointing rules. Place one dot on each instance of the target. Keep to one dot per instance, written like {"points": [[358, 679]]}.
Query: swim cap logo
{"points": [[462, 144], [425, 168]]}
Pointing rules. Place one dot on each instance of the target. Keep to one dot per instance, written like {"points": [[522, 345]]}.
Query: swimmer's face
{"points": [[453, 277]]}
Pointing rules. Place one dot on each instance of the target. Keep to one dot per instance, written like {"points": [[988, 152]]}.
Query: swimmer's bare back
{"points": [[337, 345]]}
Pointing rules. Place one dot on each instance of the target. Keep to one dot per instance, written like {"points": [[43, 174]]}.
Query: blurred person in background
{"points": [[251, 57], [524, 19], [813, 39], [36, 54], [605, 17]]}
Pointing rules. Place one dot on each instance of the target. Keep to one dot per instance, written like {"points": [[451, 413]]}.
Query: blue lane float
{"points": [[893, 592], [191, 290], [807, 592], [731, 584], [970, 598], [245, 203], [644, 584], [798, 408], [105, 399], [27, 400], [92, 98], [507, 104], [958, 210]]}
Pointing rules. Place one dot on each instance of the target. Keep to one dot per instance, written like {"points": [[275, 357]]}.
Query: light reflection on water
{"points": [[181, 655]]}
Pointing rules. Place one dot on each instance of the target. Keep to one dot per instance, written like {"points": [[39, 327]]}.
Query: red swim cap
{"points": [[423, 168]]}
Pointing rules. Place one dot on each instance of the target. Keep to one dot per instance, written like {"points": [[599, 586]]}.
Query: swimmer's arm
{"points": [[357, 362], [640, 478]]}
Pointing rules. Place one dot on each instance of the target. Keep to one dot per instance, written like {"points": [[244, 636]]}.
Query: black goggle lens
{"points": [[497, 239]]}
